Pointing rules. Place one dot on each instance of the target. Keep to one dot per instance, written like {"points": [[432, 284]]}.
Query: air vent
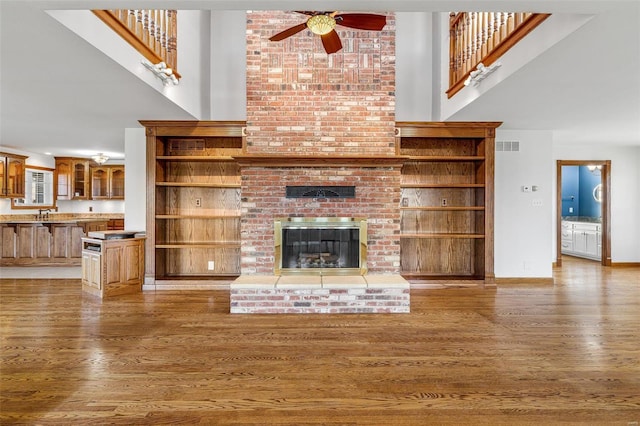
{"points": [[321, 191], [186, 145], [509, 146]]}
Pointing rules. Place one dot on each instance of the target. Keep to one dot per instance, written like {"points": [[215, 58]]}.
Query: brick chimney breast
{"points": [[301, 101]]}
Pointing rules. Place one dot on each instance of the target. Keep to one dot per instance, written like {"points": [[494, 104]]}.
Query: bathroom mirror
{"points": [[597, 193], [38, 189]]}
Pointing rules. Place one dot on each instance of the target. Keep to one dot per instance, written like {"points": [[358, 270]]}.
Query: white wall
{"points": [[523, 231], [228, 65], [414, 73], [193, 41], [135, 183], [551, 31], [625, 193]]}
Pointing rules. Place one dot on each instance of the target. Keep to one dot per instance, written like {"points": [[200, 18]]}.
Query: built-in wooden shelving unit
{"points": [[193, 213], [447, 200]]}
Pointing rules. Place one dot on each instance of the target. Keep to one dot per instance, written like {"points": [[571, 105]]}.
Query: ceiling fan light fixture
{"points": [[321, 24]]}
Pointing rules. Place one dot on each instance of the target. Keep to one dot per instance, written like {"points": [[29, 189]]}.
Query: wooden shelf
{"points": [[436, 208], [443, 236], [442, 185], [432, 158], [449, 163], [193, 219], [443, 276], [198, 185], [194, 158], [191, 216], [208, 245]]}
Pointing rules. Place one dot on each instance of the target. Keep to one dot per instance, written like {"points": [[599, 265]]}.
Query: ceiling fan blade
{"points": [[331, 42], [362, 21], [288, 32]]}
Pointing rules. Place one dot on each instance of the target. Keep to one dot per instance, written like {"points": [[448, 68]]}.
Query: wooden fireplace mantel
{"points": [[268, 160]]}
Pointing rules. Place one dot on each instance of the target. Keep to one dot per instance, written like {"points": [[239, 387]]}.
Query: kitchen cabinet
{"points": [[107, 182], [112, 266], [115, 224], [567, 237], [82, 179], [42, 243], [72, 178], [12, 174], [582, 239], [91, 271]]}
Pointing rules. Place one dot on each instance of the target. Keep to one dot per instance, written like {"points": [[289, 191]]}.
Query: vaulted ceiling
{"points": [[59, 94]]}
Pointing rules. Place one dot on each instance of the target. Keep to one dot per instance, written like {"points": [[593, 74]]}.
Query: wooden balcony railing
{"points": [[153, 33], [483, 37]]}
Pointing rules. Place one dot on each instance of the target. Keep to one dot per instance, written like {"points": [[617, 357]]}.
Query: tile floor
{"points": [[46, 272]]}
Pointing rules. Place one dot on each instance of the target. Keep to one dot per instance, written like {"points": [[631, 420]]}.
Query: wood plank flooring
{"points": [[567, 353]]}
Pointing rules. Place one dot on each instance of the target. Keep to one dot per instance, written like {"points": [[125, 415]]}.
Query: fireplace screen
{"points": [[328, 246]]}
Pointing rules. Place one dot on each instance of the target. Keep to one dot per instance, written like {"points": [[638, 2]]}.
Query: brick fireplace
{"points": [[319, 120]]}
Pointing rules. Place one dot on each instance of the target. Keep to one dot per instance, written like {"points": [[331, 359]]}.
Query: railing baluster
{"points": [[152, 32], [483, 37]]}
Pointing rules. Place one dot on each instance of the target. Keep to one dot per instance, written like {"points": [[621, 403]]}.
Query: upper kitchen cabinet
{"points": [[12, 175], [82, 179], [72, 178], [107, 182]]}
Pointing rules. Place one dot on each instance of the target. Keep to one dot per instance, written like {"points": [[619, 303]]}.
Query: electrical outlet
{"points": [[444, 202], [211, 265], [198, 202], [536, 203]]}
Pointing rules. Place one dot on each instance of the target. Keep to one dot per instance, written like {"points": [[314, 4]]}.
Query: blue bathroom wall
{"points": [[570, 191], [588, 205]]}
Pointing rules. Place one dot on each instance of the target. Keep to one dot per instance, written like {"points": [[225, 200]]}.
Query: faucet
{"points": [[42, 216]]}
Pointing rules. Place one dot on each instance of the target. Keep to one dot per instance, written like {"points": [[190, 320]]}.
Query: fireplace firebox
{"points": [[320, 245]]}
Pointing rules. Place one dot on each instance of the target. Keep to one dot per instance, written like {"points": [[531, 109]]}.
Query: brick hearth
{"points": [[308, 294]]}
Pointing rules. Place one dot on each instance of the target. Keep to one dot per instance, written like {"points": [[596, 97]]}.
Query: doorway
{"points": [[603, 194]]}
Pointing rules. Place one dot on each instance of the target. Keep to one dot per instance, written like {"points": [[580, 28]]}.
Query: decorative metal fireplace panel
{"points": [[321, 191], [320, 245]]}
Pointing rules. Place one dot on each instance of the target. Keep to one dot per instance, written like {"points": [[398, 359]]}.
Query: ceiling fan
{"points": [[324, 23]]}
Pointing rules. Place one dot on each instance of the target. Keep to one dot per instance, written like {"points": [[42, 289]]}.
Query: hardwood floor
{"points": [[521, 354]]}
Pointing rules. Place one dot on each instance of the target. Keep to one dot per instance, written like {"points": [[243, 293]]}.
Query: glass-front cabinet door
{"points": [[117, 182], [12, 175], [3, 172], [80, 179], [99, 182], [107, 182]]}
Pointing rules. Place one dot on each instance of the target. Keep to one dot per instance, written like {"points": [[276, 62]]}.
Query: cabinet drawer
{"points": [[587, 227]]}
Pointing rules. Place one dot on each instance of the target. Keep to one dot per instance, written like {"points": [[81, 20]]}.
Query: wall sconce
{"points": [[100, 158], [595, 169], [161, 71], [480, 73]]}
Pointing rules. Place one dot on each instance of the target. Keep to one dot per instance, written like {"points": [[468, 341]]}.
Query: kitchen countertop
{"points": [[586, 219], [58, 218]]}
